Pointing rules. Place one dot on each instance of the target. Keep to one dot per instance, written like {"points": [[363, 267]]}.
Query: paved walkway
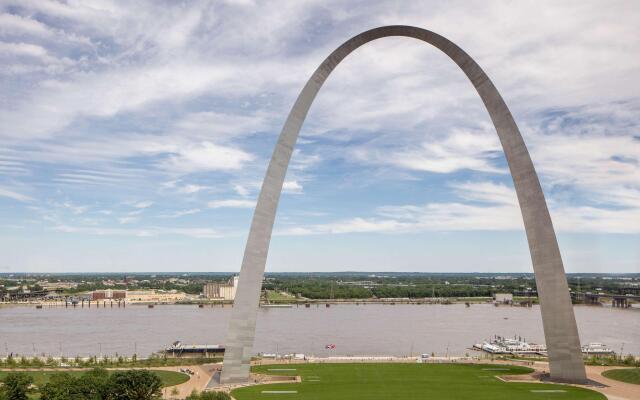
{"points": [[614, 390], [200, 379]]}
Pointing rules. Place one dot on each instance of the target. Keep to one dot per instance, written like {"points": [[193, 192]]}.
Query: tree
{"points": [[16, 386], [61, 386], [133, 385], [93, 384]]}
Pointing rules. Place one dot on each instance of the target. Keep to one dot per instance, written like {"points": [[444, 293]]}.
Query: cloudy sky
{"points": [[134, 135]]}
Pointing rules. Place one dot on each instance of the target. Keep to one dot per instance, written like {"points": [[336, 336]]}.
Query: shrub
{"points": [[209, 396], [91, 385], [134, 385], [16, 386]]}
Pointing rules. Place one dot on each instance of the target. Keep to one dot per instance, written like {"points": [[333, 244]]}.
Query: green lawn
{"points": [[628, 375], [274, 295], [169, 378], [406, 382]]}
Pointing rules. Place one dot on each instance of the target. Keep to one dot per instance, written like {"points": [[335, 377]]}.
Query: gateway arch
{"points": [[560, 329]]}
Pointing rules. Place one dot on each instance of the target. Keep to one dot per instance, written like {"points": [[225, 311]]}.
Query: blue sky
{"points": [[135, 135]]}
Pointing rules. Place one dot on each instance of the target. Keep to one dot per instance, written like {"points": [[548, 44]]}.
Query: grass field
{"points": [[169, 378], [405, 382], [274, 295], [628, 375]]}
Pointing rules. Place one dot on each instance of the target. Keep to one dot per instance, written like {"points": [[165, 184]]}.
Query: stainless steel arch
{"points": [[561, 333]]}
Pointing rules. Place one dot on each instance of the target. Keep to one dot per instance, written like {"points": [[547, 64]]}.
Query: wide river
{"points": [[354, 329]]}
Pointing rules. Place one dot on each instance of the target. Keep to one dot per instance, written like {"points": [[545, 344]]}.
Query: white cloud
{"points": [[209, 124], [93, 177], [191, 188], [207, 156], [199, 233], [11, 194], [23, 49], [170, 184], [127, 220], [181, 213], [292, 187], [12, 166], [604, 168], [301, 161], [241, 190], [488, 192], [232, 203], [142, 204], [458, 150], [499, 212], [74, 208], [135, 212], [11, 24]]}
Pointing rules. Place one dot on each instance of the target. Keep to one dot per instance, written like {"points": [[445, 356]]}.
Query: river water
{"points": [[354, 329]]}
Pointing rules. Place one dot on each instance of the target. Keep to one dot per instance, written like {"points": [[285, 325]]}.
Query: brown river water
{"points": [[354, 329]]}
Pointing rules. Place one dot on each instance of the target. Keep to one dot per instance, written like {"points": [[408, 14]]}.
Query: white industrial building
{"points": [[221, 291]]}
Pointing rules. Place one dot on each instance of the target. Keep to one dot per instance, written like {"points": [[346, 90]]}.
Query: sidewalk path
{"points": [[199, 380], [614, 390]]}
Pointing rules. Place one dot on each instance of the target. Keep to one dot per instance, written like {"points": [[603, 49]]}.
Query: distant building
{"points": [[154, 296], [221, 291], [57, 285], [108, 294]]}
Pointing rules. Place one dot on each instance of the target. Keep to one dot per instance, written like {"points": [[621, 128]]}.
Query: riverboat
{"points": [[179, 349], [596, 349], [501, 345]]}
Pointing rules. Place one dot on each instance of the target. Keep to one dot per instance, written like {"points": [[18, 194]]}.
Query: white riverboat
{"points": [[501, 345], [596, 349]]}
